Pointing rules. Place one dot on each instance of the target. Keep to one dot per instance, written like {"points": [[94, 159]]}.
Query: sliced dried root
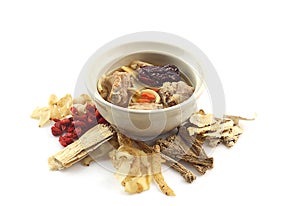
{"points": [[57, 108], [158, 177], [206, 127], [135, 168], [134, 184], [183, 171]]}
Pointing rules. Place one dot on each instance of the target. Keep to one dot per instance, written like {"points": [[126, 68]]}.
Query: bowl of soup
{"points": [[147, 83]]}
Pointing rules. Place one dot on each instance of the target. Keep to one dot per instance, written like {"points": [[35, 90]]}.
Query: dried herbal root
{"points": [[192, 142], [79, 149], [196, 150], [204, 127], [135, 168], [183, 171], [132, 166], [173, 146], [158, 177], [57, 108]]}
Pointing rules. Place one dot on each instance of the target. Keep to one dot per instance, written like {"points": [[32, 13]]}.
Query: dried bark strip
{"points": [[196, 151], [79, 149], [176, 148]]}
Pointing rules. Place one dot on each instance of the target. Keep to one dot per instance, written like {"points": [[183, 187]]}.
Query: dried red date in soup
{"points": [[155, 76]]}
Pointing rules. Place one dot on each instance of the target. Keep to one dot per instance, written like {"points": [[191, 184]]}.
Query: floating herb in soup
{"points": [[142, 85]]}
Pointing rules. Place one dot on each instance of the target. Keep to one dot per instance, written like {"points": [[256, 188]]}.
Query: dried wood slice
{"points": [[79, 149]]}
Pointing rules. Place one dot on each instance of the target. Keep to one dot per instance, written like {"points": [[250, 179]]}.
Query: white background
{"points": [[254, 46]]}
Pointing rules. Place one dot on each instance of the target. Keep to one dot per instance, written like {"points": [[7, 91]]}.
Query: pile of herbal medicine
{"points": [[86, 136]]}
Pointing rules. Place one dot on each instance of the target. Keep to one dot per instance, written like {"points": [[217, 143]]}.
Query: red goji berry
{"points": [[70, 135], [148, 96], [56, 131], [55, 120], [70, 129], [65, 141], [63, 127], [74, 135], [57, 125], [65, 121]]}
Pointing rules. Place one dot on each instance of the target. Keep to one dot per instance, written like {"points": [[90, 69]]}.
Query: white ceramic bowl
{"points": [[156, 48]]}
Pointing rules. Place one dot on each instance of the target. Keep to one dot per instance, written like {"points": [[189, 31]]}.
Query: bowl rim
{"points": [[155, 37]]}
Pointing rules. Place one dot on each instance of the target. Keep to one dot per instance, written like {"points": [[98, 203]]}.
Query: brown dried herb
{"points": [[183, 171], [174, 147]]}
